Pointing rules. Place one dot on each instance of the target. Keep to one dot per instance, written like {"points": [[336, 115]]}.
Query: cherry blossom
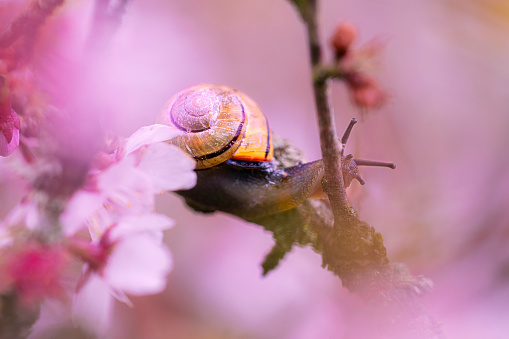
{"points": [[145, 166], [126, 255], [129, 258]]}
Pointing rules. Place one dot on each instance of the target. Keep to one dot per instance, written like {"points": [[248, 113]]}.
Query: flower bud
{"points": [[365, 91], [344, 35]]}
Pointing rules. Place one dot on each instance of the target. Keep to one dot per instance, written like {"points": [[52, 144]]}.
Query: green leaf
{"points": [[295, 227]]}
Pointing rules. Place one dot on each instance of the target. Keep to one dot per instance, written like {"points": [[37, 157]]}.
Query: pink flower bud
{"points": [[365, 91], [344, 35]]}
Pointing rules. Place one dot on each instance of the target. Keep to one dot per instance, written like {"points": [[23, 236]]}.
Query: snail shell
{"points": [[218, 123]]}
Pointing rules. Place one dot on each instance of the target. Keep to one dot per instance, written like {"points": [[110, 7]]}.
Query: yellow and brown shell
{"points": [[218, 123]]}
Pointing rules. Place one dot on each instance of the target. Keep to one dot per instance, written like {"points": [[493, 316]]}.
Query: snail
{"points": [[230, 139]]}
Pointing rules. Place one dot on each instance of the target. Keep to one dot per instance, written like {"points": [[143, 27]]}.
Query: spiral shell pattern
{"points": [[215, 123]]}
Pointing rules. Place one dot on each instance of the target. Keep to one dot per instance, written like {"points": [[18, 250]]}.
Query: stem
{"points": [[330, 147], [352, 249], [324, 72]]}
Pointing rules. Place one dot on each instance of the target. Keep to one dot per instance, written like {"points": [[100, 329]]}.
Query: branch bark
{"points": [[330, 147], [352, 249]]}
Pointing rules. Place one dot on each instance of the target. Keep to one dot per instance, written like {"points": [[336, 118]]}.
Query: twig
{"points": [[352, 249], [330, 147]]}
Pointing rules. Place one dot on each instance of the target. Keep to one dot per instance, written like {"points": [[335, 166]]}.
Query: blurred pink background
{"points": [[442, 212]]}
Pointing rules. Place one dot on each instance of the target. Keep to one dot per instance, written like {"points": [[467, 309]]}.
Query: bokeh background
{"points": [[442, 212]]}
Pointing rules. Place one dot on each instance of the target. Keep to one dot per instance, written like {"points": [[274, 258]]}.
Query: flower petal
{"points": [[133, 224], [148, 135], [126, 190], [168, 167], [124, 178], [79, 209], [138, 265], [93, 305]]}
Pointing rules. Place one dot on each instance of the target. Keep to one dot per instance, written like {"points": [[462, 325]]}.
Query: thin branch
{"points": [[330, 147], [352, 249]]}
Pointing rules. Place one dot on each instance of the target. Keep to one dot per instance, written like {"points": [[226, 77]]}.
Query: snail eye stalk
{"points": [[348, 130], [360, 162], [349, 164]]}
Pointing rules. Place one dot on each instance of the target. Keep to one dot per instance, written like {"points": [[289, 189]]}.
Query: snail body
{"points": [[239, 173], [230, 139], [253, 193]]}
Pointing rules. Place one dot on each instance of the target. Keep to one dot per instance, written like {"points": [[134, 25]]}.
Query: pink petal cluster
{"points": [[365, 91], [129, 258], [143, 167], [35, 271], [126, 254]]}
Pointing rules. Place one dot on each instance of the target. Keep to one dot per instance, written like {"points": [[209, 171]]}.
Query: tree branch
{"points": [[352, 249], [331, 149]]}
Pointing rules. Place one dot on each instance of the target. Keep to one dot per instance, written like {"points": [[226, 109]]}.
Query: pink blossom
{"points": [[147, 135], [129, 257], [365, 91], [146, 166], [126, 254], [35, 271], [120, 189], [92, 307]]}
